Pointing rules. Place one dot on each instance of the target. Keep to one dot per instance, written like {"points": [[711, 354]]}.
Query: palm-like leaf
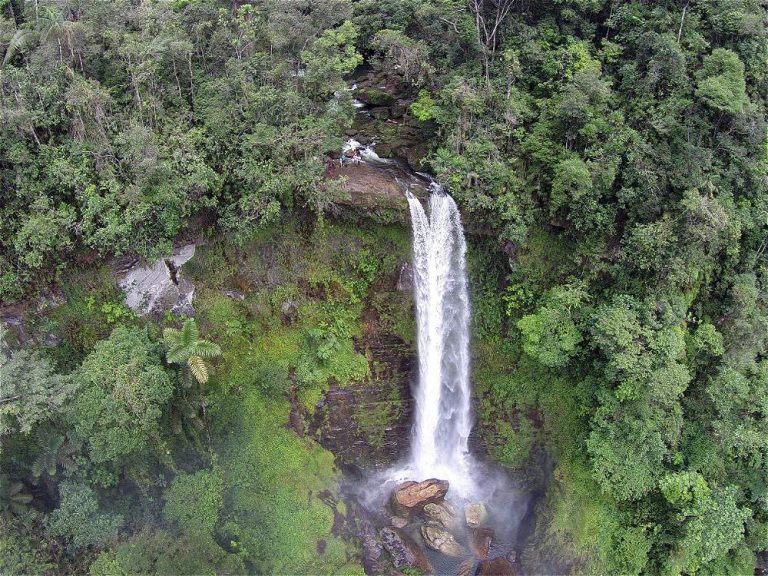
{"points": [[198, 368], [186, 346], [206, 349], [189, 332], [18, 42], [48, 459], [13, 499]]}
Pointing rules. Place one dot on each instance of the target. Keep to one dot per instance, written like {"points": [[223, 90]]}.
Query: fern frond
{"points": [[206, 349], [198, 368], [189, 332], [18, 42]]}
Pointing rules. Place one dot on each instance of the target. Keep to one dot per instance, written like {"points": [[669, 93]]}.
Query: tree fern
{"points": [[186, 347]]}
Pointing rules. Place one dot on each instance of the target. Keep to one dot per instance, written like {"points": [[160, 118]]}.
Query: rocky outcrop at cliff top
{"points": [[371, 188], [410, 496]]}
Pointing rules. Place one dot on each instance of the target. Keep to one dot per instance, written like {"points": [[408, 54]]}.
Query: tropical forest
{"points": [[384, 287]]}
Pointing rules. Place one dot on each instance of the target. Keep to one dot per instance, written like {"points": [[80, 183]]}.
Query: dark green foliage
{"points": [[124, 123], [79, 521], [609, 159], [193, 503]]}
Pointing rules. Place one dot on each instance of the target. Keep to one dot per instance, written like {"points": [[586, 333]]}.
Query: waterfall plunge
{"points": [[443, 416]]}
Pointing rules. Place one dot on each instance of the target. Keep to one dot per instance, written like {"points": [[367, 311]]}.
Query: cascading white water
{"points": [[443, 413]]}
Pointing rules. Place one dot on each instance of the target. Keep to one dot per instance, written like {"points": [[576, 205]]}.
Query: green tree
{"points": [[551, 335], [13, 497], [123, 390], [721, 82], [193, 502], [79, 520], [32, 392]]}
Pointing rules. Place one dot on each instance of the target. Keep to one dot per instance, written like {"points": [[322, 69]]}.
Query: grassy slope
{"points": [[273, 478]]}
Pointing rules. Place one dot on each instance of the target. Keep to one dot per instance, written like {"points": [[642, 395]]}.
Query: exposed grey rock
{"points": [[438, 538], [398, 522], [49, 301], [475, 514], [234, 294], [405, 279], [372, 547], [51, 341], [289, 312], [380, 113], [161, 286], [443, 514]]}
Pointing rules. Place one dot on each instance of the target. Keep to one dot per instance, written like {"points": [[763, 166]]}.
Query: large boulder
{"points": [[499, 566], [404, 550], [410, 496], [438, 538], [443, 514], [475, 514], [372, 548]]}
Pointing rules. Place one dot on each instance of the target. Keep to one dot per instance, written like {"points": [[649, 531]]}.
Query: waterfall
{"points": [[443, 412]]}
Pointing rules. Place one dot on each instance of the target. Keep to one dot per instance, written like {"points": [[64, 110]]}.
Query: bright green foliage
{"points": [[423, 106], [550, 335], [79, 520], [617, 147], [401, 53], [574, 193], [710, 522], [159, 552], [186, 347], [193, 502], [721, 82], [44, 233], [122, 391], [627, 456], [330, 56], [31, 392]]}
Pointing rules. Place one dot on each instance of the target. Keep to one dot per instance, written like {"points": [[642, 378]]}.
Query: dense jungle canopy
{"points": [[609, 158]]}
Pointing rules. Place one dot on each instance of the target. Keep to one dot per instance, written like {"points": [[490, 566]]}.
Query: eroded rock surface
{"points": [[481, 542], [410, 496], [161, 287], [438, 538], [443, 514], [475, 514]]}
